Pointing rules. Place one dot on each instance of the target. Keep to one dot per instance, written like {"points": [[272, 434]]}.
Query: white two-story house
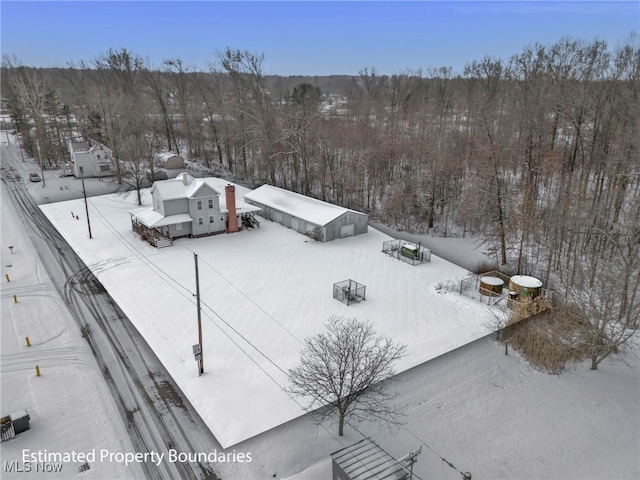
{"points": [[187, 206], [91, 159]]}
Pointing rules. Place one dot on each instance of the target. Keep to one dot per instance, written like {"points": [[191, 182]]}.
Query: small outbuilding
{"points": [[168, 161], [366, 461], [320, 220], [20, 421], [13, 424]]}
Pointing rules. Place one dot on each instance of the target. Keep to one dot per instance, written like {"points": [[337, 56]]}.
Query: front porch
{"points": [[153, 236]]}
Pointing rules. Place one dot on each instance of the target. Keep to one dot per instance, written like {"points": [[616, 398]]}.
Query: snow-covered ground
{"points": [[486, 413], [496, 417], [263, 291], [70, 406]]}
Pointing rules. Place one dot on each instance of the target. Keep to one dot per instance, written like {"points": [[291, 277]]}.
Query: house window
{"points": [[211, 219], [200, 221], [105, 168], [211, 203], [98, 157], [199, 204]]}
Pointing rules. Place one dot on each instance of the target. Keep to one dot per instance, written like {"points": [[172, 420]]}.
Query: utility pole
{"points": [[20, 142], [86, 205], [409, 459], [40, 160], [199, 354]]}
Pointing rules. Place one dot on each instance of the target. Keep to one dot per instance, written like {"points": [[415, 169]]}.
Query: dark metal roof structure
{"points": [[367, 461]]}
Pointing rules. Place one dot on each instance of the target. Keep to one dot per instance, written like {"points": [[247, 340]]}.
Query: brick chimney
{"points": [[232, 219]]}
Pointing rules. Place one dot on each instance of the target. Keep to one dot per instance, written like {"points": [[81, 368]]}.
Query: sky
{"points": [[305, 37]]}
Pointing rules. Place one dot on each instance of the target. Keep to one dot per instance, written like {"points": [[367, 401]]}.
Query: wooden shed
{"points": [[169, 161], [320, 220]]}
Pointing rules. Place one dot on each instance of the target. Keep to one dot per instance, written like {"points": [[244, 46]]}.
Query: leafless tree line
{"points": [[538, 152]]}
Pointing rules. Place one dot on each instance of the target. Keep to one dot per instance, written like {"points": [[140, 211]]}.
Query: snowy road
{"points": [[152, 407]]}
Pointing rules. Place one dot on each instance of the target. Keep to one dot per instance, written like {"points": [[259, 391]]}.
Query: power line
{"points": [[444, 460], [284, 389], [250, 300], [158, 271]]}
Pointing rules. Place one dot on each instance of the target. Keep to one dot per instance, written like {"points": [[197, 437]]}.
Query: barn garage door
{"points": [[347, 230]]}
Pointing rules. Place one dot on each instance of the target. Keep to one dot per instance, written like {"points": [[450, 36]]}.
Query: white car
{"points": [[34, 177]]}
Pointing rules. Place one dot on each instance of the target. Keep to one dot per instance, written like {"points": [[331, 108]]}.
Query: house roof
{"points": [[183, 186], [367, 461], [300, 206], [186, 186], [80, 146], [87, 146], [166, 155], [153, 219]]}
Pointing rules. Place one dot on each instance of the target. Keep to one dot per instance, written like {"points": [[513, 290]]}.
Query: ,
{"points": [[34, 177]]}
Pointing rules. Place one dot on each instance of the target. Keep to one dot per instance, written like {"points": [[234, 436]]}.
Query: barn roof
{"points": [[300, 206], [367, 461]]}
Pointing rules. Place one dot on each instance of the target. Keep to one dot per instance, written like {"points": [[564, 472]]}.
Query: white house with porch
{"points": [[191, 207]]}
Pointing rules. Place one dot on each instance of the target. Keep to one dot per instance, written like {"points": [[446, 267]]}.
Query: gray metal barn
{"points": [[320, 220]]}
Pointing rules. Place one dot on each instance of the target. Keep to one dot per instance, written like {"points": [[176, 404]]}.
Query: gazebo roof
{"points": [[367, 461]]}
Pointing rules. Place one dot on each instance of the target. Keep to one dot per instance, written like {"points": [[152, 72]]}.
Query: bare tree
{"points": [[139, 147], [299, 137], [342, 371], [161, 95], [487, 79], [606, 293], [258, 135], [119, 80], [33, 107]]}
